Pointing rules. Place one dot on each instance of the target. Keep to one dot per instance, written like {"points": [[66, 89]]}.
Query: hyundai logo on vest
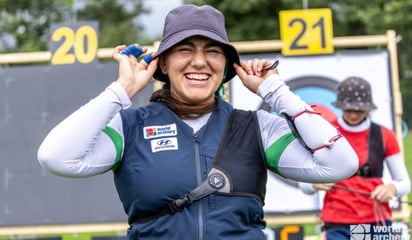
{"points": [[164, 142]]}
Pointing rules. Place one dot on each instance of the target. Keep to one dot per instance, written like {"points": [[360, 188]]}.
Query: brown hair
{"points": [[183, 110]]}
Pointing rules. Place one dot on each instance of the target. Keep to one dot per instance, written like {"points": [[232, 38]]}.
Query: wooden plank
{"points": [[242, 46], [63, 229]]}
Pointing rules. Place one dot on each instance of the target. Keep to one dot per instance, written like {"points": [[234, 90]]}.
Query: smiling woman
{"points": [[180, 162], [195, 68]]}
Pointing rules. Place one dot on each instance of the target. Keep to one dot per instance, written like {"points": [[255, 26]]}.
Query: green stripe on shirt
{"points": [[275, 150], [118, 144]]}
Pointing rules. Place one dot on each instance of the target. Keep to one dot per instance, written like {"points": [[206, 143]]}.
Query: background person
{"points": [[188, 136], [364, 197]]}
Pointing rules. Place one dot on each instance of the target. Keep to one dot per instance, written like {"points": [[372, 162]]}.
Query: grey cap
{"points": [[189, 20], [354, 93]]}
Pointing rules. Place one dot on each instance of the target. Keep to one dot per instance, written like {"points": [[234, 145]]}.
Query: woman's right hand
{"points": [[252, 73], [134, 75]]}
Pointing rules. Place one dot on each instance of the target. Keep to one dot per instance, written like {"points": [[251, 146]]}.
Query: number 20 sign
{"points": [[306, 32], [73, 42]]}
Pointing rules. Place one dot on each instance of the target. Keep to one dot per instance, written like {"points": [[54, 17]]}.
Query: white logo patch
{"points": [[160, 131], [164, 144]]}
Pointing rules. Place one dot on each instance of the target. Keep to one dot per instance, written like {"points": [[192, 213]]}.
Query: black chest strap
{"points": [[216, 180], [376, 154]]}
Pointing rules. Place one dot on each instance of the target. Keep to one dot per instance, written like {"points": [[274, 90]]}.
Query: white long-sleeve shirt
{"points": [[397, 172], [78, 146]]}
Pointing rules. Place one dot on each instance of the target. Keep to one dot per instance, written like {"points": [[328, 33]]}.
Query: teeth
{"points": [[197, 76]]}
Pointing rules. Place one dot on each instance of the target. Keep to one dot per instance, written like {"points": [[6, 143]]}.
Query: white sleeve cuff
{"points": [[307, 188], [122, 97], [271, 84]]}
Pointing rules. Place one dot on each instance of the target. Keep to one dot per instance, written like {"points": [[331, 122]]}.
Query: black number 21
{"points": [[295, 44]]}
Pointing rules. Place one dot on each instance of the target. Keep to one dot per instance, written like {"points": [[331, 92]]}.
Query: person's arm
{"points": [[319, 155], [90, 140], [311, 188], [82, 145], [307, 188], [399, 174], [399, 183]]}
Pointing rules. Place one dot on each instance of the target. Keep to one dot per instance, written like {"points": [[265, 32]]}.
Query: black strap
{"points": [[329, 225], [211, 184], [376, 153], [295, 132]]}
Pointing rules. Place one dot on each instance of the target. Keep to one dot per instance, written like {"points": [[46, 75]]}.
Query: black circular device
{"points": [[216, 180]]}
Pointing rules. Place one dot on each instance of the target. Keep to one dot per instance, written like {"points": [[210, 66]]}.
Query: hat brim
{"points": [[354, 106], [230, 51]]}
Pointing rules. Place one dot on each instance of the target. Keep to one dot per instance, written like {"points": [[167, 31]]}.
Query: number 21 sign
{"points": [[306, 32]]}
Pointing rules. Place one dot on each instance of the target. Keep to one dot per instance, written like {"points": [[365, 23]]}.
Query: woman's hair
{"points": [[183, 110]]}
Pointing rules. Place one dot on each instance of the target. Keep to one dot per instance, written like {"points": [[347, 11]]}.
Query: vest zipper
{"points": [[199, 180]]}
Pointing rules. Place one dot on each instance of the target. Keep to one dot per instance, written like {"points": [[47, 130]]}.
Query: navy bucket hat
{"points": [[189, 20]]}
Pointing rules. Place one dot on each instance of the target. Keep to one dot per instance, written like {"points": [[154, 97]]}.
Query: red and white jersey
{"points": [[353, 207]]}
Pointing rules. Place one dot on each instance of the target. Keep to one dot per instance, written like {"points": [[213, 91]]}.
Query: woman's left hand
{"points": [[252, 72], [383, 193]]}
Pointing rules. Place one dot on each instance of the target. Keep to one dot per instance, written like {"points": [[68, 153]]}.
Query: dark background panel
{"points": [[33, 99]]}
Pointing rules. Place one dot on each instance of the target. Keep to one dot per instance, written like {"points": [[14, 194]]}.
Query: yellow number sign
{"points": [[287, 231], [71, 43], [305, 32]]}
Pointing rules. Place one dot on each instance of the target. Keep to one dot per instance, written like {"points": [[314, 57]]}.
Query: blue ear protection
{"points": [[148, 58], [137, 51], [132, 49]]}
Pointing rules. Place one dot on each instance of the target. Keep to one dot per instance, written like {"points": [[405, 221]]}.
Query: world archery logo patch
{"points": [[160, 131]]}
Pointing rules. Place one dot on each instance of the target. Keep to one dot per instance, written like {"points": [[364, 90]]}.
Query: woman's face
{"points": [[195, 68], [354, 117]]}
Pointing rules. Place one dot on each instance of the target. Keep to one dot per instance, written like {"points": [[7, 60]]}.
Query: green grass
{"points": [[407, 147]]}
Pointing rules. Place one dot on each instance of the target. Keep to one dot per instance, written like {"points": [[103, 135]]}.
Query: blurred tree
{"points": [[116, 20], [24, 24], [247, 20], [352, 17]]}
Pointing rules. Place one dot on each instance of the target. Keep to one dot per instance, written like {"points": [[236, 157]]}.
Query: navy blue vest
{"points": [[163, 160]]}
